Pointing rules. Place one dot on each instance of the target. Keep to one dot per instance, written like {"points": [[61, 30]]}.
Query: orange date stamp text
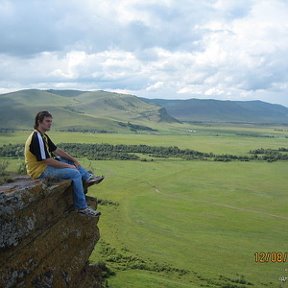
{"points": [[272, 257]]}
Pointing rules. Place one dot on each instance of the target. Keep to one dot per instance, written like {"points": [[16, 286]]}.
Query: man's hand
{"points": [[72, 166], [63, 154], [76, 163]]}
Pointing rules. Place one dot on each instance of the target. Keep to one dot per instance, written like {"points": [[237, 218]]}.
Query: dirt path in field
{"points": [[245, 210], [225, 205]]}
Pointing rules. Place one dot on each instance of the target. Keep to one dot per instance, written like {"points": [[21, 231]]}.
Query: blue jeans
{"points": [[76, 175]]}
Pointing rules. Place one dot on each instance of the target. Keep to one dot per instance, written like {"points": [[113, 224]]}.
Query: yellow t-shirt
{"points": [[38, 147]]}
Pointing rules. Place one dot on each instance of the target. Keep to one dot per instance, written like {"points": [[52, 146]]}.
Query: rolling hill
{"points": [[195, 110], [102, 111], [81, 110]]}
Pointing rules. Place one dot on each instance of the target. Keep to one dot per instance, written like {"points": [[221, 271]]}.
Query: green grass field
{"points": [[207, 217], [175, 223]]}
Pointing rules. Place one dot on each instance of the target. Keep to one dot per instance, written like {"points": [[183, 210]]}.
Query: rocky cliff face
{"points": [[43, 242]]}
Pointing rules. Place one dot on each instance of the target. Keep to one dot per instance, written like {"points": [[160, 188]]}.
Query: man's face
{"points": [[45, 125]]}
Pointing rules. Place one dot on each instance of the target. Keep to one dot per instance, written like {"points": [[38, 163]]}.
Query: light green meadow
{"points": [[205, 218]]}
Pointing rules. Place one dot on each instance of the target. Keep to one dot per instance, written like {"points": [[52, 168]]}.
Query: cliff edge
{"points": [[43, 242]]}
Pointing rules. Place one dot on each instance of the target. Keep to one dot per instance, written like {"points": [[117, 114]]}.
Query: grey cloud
{"points": [[25, 29], [173, 46], [35, 26]]}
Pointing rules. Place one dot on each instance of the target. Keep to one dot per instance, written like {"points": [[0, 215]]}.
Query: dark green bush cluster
{"points": [[127, 152], [126, 261], [5, 175], [270, 155], [106, 272], [228, 157], [133, 262], [97, 151], [135, 128], [238, 282], [85, 130], [105, 202], [6, 130], [3, 167], [12, 150]]}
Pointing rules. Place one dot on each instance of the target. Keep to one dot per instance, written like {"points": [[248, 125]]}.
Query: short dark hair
{"points": [[40, 117]]}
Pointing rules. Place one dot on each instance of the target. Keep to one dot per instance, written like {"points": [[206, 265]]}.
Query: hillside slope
{"points": [[80, 110], [118, 107], [223, 111], [113, 112]]}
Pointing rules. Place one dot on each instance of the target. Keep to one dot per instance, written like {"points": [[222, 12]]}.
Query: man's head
{"points": [[43, 121]]}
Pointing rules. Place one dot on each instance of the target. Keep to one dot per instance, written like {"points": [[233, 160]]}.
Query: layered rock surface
{"points": [[43, 242]]}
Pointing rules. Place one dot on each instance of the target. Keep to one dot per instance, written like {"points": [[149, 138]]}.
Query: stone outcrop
{"points": [[43, 242]]}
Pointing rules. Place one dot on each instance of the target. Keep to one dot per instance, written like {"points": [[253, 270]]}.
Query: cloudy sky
{"points": [[221, 49]]}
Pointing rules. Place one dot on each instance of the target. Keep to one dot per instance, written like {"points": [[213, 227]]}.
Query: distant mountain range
{"points": [[114, 112], [195, 110]]}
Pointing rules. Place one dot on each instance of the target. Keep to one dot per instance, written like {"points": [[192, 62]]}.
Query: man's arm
{"points": [[57, 164], [63, 154]]}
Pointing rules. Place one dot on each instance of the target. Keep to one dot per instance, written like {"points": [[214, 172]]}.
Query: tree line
{"points": [[133, 152], [270, 155]]}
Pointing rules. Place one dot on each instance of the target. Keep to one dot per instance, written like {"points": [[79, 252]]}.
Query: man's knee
{"points": [[75, 173], [71, 174]]}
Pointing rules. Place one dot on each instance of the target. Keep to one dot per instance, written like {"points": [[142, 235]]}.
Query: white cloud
{"points": [[155, 86], [224, 49]]}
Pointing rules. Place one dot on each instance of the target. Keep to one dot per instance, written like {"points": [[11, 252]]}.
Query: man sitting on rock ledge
{"points": [[41, 163]]}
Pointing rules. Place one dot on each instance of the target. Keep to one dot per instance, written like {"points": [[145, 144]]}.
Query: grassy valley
{"points": [[171, 221], [177, 223], [192, 224]]}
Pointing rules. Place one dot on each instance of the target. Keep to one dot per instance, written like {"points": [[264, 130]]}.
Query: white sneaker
{"points": [[94, 180], [89, 212]]}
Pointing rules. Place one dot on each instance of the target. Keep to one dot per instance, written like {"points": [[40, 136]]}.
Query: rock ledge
{"points": [[43, 242]]}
